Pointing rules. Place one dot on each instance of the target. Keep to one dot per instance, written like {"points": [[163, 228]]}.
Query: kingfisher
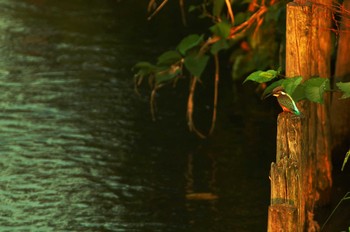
{"points": [[286, 101]]}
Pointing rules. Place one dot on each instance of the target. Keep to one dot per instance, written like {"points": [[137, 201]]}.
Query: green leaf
{"points": [[261, 76], [217, 8], [221, 29], [166, 75], [168, 58], [189, 42], [345, 88], [196, 64], [192, 8], [269, 88], [220, 45], [270, 74], [241, 17], [144, 68], [298, 93], [314, 89], [345, 159], [290, 84], [142, 65]]}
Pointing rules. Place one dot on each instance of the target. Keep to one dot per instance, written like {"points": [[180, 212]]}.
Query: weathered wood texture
{"points": [[308, 54], [340, 109], [321, 56], [303, 169], [289, 188], [299, 62], [282, 218], [298, 40]]}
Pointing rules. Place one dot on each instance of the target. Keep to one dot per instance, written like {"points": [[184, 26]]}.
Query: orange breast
{"points": [[286, 109]]}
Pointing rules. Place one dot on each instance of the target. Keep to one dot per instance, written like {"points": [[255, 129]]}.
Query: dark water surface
{"points": [[78, 149]]}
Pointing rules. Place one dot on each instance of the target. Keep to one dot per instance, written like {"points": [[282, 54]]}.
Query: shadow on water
{"points": [[79, 151]]}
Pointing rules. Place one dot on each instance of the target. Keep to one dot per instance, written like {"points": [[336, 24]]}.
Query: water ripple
{"points": [[59, 133]]}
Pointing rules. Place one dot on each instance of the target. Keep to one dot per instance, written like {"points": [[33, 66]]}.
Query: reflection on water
{"points": [[78, 149]]}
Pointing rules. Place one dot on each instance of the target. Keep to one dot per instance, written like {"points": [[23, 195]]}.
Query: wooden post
{"points": [[300, 61], [301, 141], [288, 185], [293, 191]]}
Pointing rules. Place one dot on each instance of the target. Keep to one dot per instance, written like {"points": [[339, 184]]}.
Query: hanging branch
{"points": [[235, 31], [152, 102], [183, 15], [216, 91], [238, 30], [152, 3], [190, 104], [230, 12], [156, 10]]}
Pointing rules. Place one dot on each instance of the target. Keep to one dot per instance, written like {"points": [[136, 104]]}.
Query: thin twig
{"points": [[152, 104], [216, 90], [183, 15], [137, 83], [157, 10], [152, 101], [346, 197], [244, 26], [235, 31], [191, 125], [151, 3], [230, 12]]}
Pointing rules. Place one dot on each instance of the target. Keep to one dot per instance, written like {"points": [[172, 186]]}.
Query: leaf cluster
{"points": [[250, 32], [312, 89], [228, 32], [170, 64]]}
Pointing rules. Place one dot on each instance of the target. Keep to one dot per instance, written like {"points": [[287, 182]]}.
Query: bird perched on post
{"points": [[286, 102]]}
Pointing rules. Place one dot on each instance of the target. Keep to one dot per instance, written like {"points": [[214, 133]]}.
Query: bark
{"points": [[303, 165], [321, 53], [310, 56]]}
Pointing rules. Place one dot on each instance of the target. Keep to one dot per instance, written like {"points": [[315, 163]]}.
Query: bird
{"points": [[285, 101]]}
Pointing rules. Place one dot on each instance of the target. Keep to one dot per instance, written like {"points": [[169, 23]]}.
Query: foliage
{"points": [[170, 64], [254, 34], [312, 89], [262, 76], [345, 88]]}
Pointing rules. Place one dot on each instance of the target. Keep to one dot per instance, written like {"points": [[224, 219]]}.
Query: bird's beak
{"points": [[267, 95]]}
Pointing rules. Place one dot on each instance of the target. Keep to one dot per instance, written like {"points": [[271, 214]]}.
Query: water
{"points": [[78, 149]]}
